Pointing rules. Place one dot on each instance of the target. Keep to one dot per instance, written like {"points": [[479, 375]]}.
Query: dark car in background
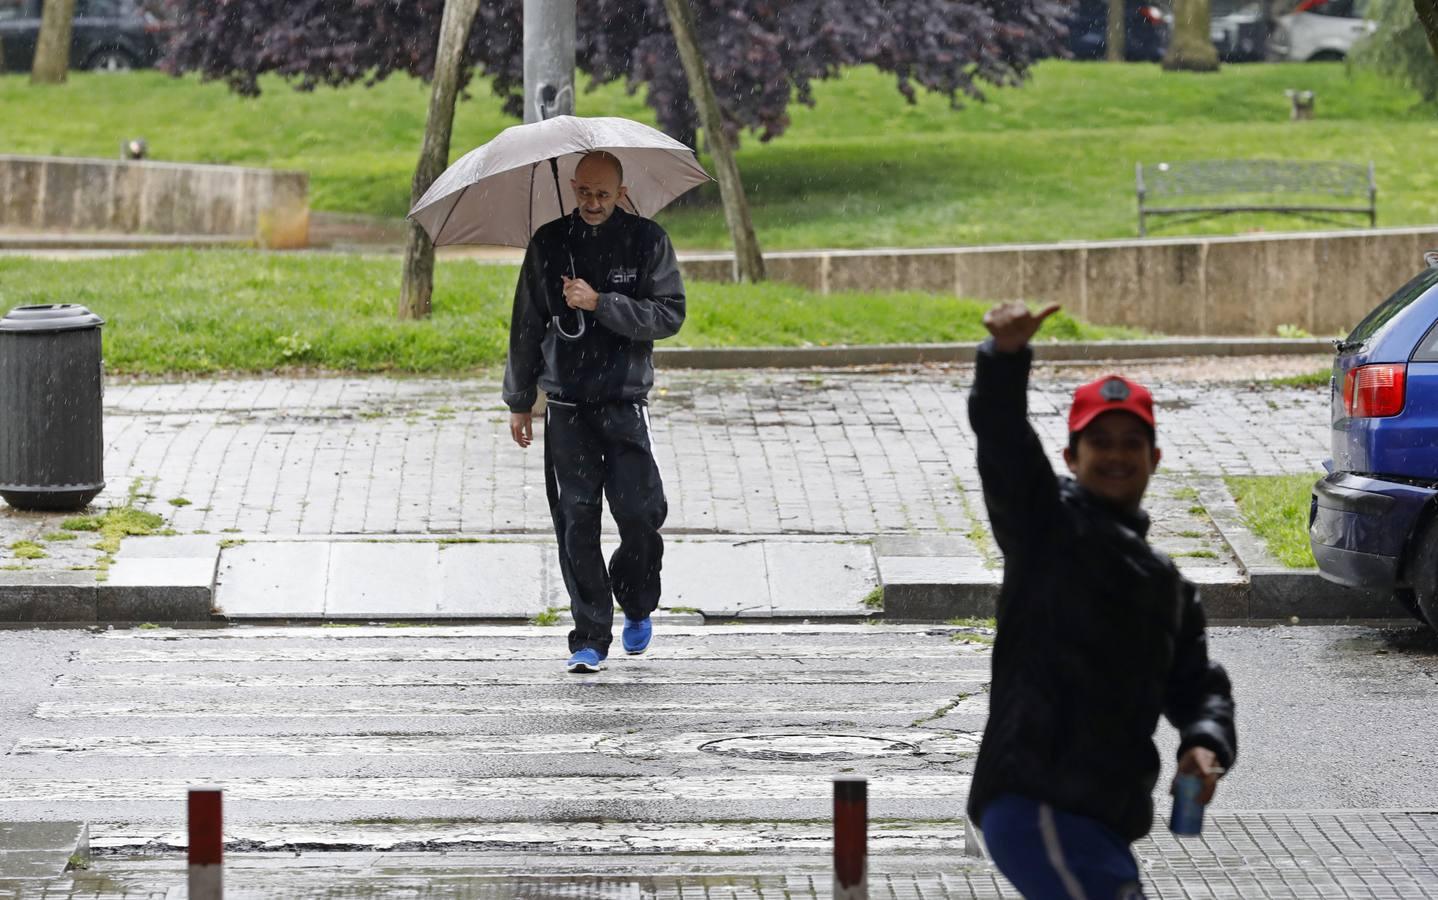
{"points": [[1373, 519], [1145, 31], [109, 35], [1239, 29]]}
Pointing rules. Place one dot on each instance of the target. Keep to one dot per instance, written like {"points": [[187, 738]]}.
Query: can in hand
{"points": [[1187, 811]]}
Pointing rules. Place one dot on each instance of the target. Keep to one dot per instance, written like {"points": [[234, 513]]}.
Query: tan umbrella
{"points": [[503, 191]]}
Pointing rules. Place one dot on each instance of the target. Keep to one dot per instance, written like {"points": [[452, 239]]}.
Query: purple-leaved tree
{"points": [[761, 54]]}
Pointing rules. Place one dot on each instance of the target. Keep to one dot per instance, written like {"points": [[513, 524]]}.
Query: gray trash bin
{"points": [[51, 438]]}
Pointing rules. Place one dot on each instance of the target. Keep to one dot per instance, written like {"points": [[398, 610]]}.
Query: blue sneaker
{"points": [[585, 660], [636, 635]]}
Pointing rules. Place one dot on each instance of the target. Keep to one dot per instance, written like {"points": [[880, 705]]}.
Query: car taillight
{"points": [[1371, 392], [1152, 13]]}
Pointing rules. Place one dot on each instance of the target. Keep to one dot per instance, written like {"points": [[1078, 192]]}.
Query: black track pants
{"points": [[593, 450]]}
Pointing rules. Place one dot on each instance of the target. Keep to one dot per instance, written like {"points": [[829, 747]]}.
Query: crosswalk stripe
{"points": [[785, 744], [472, 632], [625, 674], [410, 653], [808, 707], [554, 837], [628, 789]]}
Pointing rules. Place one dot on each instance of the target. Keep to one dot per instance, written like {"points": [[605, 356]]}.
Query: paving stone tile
{"points": [[273, 579], [491, 580], [819, 578], [373, 578], [191, 571], [719, 578]]}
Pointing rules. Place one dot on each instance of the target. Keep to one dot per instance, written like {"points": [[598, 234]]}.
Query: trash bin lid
{"points": [[51, 317]]}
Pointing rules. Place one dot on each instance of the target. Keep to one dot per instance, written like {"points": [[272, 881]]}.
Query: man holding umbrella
{"points": [[597, 288], [599, 285]]}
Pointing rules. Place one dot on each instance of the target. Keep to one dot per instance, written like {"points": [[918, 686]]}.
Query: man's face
{"points": [[1114, 459], [596, 191]]}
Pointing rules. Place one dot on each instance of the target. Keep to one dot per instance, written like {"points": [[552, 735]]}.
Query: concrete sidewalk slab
{"points": [[518, 578], [493, 576], [36, 850], [279, 579], [718, 579], [936, 588]]}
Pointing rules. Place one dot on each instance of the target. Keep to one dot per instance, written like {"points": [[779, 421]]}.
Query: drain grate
{"points": [[835, 747]]}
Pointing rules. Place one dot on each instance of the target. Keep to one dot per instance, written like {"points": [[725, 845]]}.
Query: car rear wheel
{"points": [[1423, 575], [110, 60], [1409, 600]]}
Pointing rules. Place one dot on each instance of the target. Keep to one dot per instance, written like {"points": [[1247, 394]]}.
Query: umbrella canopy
{"points": [[503, 191]]}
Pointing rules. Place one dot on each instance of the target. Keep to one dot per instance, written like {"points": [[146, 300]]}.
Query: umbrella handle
{"points": [[559, 329]]}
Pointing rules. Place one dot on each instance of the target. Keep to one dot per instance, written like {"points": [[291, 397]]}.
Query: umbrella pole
{"points": [[559, 195]]}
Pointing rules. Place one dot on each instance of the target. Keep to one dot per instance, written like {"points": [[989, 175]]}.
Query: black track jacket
{"points": [[1097, 633], [630, 262]]}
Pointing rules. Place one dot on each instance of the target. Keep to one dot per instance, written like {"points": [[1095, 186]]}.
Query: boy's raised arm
{"points": [[1019, 483]]}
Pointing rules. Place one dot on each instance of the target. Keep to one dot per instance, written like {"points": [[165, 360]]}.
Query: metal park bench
{"points": [[1254, 185]]}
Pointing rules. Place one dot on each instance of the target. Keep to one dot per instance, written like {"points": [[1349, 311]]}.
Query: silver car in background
{"points": [[1320, 30]]}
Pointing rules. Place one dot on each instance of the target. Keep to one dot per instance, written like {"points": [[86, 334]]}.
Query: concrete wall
{"points": [[98, 195], [1322, 282]]}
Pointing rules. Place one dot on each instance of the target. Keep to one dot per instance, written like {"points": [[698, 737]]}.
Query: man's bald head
{"points": [[598, 185], [596, 162]]}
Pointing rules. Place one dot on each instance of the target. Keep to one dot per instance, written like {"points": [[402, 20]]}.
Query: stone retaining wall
{"points": [[49, 194], [1322, 282]]}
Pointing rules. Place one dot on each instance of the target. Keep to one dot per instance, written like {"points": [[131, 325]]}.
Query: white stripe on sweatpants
{"points": [[1048, 828], [649, 433], [558, 488]]}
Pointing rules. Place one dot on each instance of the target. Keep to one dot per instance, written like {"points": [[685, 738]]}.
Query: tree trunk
{"points": [[417, 286], [52, 47], [731, 187], [1428, 14], [1116, 37], [1191, 49]]}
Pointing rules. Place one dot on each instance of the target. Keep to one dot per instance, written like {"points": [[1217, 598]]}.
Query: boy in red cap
{"points": [[1097, 635]]}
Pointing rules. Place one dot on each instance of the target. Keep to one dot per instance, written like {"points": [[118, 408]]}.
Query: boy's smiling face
{"points": [[1114, 458]]}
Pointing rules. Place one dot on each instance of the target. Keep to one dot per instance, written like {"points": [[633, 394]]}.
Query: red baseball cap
{"points": [[1109, 393]]}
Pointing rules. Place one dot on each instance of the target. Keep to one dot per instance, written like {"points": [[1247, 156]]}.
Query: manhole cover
{"points": [[808, 746]]}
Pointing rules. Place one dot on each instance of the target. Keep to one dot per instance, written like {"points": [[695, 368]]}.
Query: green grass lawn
{"points": [[1275, 507], [1052, 160], [247, 311]]}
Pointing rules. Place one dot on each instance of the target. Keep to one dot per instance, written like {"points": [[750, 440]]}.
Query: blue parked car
{"points": [[1373, 521]]}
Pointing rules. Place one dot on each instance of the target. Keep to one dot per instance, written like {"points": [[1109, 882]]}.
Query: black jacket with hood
{"points": [[630, 262], [1097, 633]]}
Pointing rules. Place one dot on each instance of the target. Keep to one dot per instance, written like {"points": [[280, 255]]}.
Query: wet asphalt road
{"points": [[330, 726]]}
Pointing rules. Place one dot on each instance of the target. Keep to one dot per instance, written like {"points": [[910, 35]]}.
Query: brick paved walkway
{"points": [[822, 453], [759, 453]]}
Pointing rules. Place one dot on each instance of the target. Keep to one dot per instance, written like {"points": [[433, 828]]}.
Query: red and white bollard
{"points": [[851, 835], [207, 846]]}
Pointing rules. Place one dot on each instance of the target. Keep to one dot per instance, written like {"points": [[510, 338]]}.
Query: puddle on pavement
{"points": [[1416, 641]]}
